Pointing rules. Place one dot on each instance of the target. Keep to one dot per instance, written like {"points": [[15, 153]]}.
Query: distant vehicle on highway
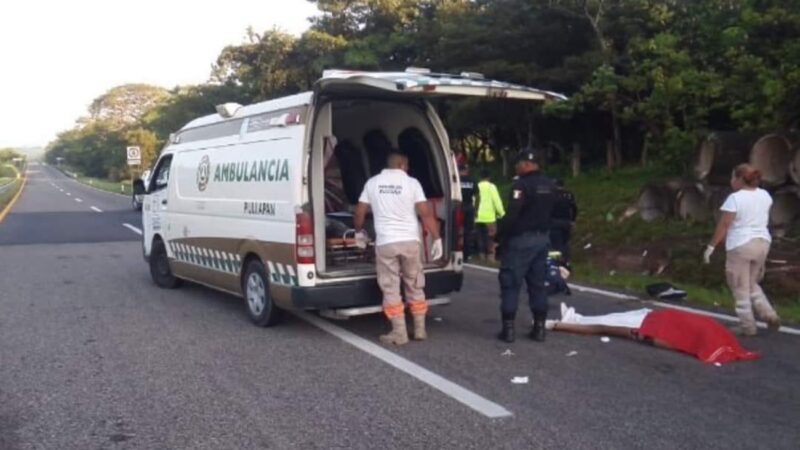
{"points": [[137, 199], [258, 200]]}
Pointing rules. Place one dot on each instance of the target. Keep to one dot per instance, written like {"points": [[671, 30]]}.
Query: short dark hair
{"points": [[393, 156], [485, 173]]}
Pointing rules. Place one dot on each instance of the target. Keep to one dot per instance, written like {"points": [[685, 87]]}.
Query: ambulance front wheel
{"points": [[255, 288], [159, 267]]}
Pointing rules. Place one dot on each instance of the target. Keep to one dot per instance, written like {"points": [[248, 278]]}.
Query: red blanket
{"points": [[696, 335]]}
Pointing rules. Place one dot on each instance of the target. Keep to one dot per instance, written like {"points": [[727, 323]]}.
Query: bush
{"points": [[676, 149]]}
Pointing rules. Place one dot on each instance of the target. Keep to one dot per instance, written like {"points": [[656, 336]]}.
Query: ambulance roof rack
{"points": [[228, 110]]}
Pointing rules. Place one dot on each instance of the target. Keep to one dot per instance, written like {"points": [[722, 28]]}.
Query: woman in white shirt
{"points": [[743, 225]]}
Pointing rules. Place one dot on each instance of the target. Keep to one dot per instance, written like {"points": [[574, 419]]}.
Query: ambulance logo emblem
{"points": [[203, 173]]}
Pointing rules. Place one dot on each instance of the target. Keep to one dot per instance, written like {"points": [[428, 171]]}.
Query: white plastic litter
{"points": [[437, 319], [572, 353], [605, 339], [520, 380], [507, 353], [587, 246]]}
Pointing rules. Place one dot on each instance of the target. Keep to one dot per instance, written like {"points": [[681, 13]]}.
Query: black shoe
{"points": [[507, 333], [538, 331]]}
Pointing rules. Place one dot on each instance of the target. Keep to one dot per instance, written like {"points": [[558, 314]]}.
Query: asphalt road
{"points": [[94, 356]]}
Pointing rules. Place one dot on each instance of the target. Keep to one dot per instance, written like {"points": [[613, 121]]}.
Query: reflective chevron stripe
{"points": [[229, 263]]}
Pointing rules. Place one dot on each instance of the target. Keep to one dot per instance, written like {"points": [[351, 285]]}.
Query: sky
{"points": [[58, 55]]}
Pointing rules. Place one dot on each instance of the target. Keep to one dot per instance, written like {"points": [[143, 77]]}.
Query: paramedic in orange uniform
{"points": [[396, 199]]}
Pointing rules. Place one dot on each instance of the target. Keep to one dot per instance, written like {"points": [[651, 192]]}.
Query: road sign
{"points": [[134, 156]]}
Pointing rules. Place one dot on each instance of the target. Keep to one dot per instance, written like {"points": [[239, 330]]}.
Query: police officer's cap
{"points": [[528, 155]]}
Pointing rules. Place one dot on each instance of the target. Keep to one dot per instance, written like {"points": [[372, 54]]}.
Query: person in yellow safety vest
{"points": [[490, 210]]}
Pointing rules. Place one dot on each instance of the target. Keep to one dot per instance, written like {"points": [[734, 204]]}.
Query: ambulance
{"points": [[257, 201]]}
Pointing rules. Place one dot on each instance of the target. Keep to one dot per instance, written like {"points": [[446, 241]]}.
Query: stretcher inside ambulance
{"points": [[364, 133]]}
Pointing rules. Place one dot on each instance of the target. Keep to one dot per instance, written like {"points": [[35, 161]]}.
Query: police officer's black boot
{"points": [[538, 331], [507, 333]]}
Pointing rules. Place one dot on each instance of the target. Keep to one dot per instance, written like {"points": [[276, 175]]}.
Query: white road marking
{"points": [[453, 390], [605, 293], [68, 194], [78, 200], [132, 228], [61, 190], [96, 209]]}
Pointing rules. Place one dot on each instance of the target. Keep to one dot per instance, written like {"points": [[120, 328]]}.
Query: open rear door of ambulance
{"points": [[422, 83]]}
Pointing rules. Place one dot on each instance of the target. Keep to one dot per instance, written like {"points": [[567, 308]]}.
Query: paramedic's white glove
{"points": [[707, 254], [436, 249], [362, 238]]}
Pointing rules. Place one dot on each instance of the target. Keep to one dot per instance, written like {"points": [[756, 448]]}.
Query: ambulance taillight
{"points": [[304, 247]]}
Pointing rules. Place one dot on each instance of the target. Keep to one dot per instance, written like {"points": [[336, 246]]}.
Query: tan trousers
{"points": [[744, 270], [396, 261]]}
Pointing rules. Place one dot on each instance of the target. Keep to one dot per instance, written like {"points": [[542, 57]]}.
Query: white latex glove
{"points": [[436, 249], [362, 239], [707, 254]]}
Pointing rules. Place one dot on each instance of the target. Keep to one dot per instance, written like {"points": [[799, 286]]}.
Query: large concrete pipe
{"points": [[772, 155], [719, 153], [715, 197], [785, 209], [691, 204], [657, 200], [794, 167]]}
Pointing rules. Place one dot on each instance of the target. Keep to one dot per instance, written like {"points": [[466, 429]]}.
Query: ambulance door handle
{"points": [[164, 202]]}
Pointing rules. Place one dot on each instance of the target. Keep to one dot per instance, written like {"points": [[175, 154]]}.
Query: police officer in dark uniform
{"points": [[524, 235], [565, 212], [469, 198]]}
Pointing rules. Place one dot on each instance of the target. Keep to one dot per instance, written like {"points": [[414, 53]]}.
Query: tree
{"points": [[125, 105], [8, 154], [260, 66]]}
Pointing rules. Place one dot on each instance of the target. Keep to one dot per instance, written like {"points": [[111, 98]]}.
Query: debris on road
{"points": [[605, 339], [572, 353], [508, 352], [520, 380], [437, 319], [587, 246]]}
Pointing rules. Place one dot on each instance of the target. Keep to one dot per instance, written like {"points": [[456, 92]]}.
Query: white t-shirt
{"points": [[752, 216], [392, 195]]}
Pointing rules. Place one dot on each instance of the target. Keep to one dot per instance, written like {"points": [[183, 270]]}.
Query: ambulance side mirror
{"points": [[138, 187]]}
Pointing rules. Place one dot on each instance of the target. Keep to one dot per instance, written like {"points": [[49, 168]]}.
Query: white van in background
{"points": [[258, 200]]}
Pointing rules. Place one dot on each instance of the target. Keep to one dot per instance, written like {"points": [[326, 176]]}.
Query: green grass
{"points": [[8, 194], [7, 171], [118, 187]]}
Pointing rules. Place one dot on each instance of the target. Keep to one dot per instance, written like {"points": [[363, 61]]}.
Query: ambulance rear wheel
{"points": [[258, 301], [159, 267]]}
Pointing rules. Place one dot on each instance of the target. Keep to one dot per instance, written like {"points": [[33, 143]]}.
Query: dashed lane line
{"points": [[78, 200], [69, 195], [617, 295], [132, 228], [463, 395], [96, 209]]}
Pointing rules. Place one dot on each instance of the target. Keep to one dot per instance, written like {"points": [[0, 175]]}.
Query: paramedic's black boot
{"points": [[507, 333], [538, 331]]}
